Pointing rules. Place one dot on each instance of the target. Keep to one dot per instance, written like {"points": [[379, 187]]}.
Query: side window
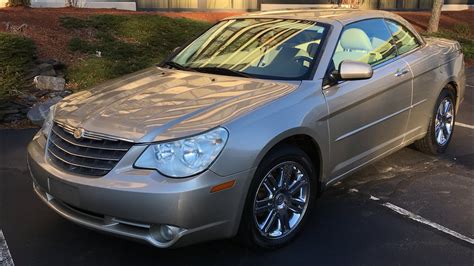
{"points": [[367, 41], [403, 38]]}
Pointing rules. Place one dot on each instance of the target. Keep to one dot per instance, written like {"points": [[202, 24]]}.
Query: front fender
{"points": [[252, 136]]}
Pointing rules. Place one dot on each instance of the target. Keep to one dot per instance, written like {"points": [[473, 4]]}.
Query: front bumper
{"points": [[134, 203]]}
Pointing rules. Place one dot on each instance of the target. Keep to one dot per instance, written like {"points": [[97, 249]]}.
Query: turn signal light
{"points": [[223, 186]]}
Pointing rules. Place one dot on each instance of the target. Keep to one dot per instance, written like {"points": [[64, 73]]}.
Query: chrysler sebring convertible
{"points": [[238, 132]]}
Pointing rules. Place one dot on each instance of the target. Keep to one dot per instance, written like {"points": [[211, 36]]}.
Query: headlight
{"points": [[185, 157], [48, 122]]}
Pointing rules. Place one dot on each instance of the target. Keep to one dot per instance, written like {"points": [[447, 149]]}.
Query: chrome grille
{"points": [[89, 155]]}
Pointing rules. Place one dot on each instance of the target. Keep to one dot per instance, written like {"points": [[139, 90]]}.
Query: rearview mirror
{"points": [[353, 70]]}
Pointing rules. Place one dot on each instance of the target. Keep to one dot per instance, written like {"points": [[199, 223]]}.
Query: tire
{"points": [[283, 203], [431, 143]]}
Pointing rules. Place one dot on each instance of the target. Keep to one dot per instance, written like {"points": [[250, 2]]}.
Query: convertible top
{"points": [[341, 15]]}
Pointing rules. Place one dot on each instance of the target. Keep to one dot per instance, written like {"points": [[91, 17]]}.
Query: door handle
{"points": [[401, 72]]}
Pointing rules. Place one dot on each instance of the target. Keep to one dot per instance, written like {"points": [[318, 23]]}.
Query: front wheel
{"points": [[441, 126], [279, 200]]}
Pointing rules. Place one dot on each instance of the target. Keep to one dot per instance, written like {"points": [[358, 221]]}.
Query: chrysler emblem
{"points": [[78, 133]]}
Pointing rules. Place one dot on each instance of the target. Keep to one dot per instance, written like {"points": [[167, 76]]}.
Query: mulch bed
{"points": [[52, 40], [448, 19]]}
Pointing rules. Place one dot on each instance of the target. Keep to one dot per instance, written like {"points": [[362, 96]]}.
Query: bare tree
{"points": [[435, 15]]}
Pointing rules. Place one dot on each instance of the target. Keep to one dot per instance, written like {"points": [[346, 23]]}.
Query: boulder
{"points": [[49, 83], [40, 111]]}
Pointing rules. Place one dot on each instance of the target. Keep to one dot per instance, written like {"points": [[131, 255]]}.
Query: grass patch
{"points": [[17, 55], [461, 33], [127, 43]]}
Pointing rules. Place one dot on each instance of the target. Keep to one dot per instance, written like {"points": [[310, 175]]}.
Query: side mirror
{"points": [[353, 70]]}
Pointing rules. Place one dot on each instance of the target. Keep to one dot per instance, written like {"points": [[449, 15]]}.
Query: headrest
{"points": [[312, 48], [355, 39], [288, 52]]}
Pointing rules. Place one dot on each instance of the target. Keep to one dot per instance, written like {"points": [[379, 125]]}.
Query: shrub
{"points": [[463, 30], [17, 55], [73, 22], [13, 3], [76, 44], [127, 43]]}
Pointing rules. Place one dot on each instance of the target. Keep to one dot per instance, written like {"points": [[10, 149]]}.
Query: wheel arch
{"points": [[453, 86], [301, 139], [454, 82]]}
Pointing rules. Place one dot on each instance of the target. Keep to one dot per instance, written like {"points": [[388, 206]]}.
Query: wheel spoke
{"points": [[445, 132], [447, 106], [262, 206], [449, 116], [271, 182], [285, 175], [449, 127], [269, 221], [296, 205], [268, 189], [440, 136], [440, 111], [284, 220], [296, 186]]}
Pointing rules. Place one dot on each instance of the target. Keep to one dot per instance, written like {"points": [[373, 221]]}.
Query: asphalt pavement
{"points": [[407, 209]]}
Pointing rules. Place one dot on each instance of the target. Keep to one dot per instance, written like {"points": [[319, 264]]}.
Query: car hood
{"points": [[158, 104]]}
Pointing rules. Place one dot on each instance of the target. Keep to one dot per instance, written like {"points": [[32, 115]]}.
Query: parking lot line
{"points": [[467, 85], [5, 256], [422, 220], [464, 125]]}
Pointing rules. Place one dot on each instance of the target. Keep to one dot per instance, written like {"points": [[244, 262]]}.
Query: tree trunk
{"points": [[435, 14]]}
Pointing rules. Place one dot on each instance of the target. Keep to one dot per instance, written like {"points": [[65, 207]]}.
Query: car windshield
{"points": [[262, 48]]}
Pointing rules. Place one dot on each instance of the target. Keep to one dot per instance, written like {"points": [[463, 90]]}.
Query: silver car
{"points": [[239, 131]]}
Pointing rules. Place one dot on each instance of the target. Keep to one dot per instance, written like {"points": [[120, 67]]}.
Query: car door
{"points": [[422, 61], [367, 118]]}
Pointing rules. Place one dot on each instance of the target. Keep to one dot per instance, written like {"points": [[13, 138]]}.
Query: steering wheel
{"points": [[301, 59]]}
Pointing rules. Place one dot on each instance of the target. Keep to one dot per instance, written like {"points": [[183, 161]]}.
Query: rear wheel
{"points": [[441, 126], [280, 197]]}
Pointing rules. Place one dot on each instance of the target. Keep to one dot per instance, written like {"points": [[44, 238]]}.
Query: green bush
{"points": [[73, 22], [17, 55], [127, 43], [76, 44], [463, 30], [14, 3]]}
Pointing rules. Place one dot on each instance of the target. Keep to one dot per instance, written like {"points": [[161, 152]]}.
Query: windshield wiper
{"points": [[177, 66], [222, 71]]}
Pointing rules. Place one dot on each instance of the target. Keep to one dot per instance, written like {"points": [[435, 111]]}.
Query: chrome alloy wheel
{"points": [[281, 200], [444, 121]]}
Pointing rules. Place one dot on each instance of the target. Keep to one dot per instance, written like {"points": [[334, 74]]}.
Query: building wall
{"points": [[117, 4], [193, 5], [458, 4], [368, 4], [249, 5]]}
